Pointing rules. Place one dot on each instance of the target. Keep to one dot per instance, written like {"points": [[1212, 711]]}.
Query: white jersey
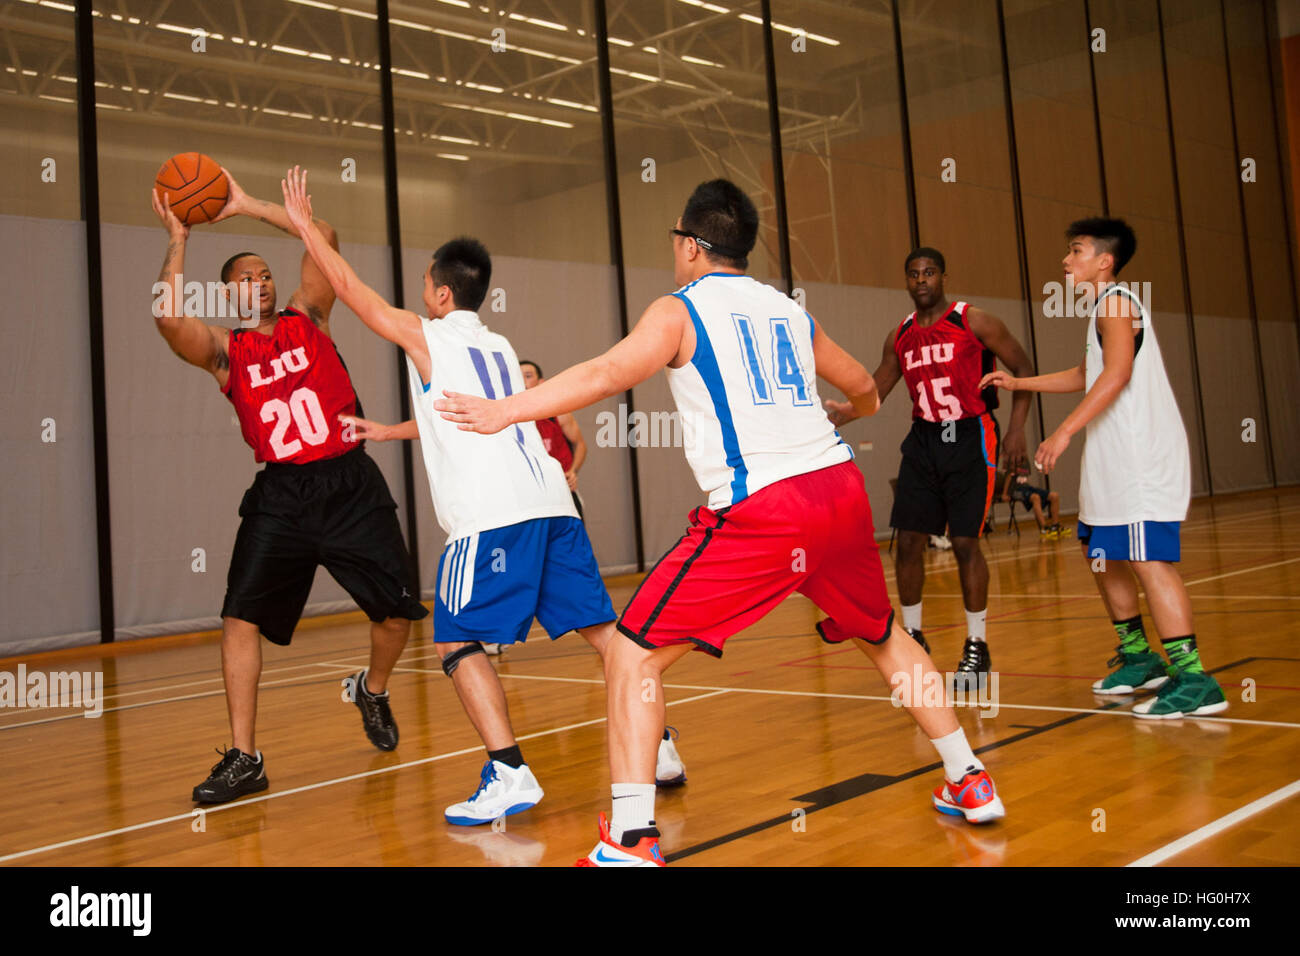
{"points": [[748, 400], [480, 482], [1136, 465]]}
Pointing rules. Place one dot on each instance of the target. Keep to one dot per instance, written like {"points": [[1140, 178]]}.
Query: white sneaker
{"points": [[502, 791], [669, 769], [940, 542], [492, 650]]}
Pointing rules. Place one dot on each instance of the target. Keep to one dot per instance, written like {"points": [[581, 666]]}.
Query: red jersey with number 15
{"points": [[942, 365], [288, 389]]}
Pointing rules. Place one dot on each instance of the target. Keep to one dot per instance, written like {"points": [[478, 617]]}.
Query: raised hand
{"points": [[236, 204], [163, 209], [472, 413], [297, 202]]}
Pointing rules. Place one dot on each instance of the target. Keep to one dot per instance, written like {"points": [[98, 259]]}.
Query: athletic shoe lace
{"points": [[971, 658], [226, 767], [377, 708], [488, 774]]}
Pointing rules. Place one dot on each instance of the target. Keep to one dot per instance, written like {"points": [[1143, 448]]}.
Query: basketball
{"points": [[195, 185]]}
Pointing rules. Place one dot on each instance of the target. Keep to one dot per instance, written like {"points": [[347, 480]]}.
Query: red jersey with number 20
{"points": [[942, 365], [289, 389]]}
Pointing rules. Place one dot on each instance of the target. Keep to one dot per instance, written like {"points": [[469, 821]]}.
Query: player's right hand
{"points": [[1000, 379], [163, 209], [363, 429]]}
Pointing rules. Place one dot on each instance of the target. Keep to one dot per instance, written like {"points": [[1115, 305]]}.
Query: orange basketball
{"points": [[195, 185]]}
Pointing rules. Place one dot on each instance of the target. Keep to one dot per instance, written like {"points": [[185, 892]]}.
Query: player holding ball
{"points": [[320, 499]]}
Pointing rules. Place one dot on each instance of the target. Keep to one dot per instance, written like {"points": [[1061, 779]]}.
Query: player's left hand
{"points": [[472, 413], [235, 203], [1050, 450], [839, 412], [571, 477], [297, 203], [1015, 450]]}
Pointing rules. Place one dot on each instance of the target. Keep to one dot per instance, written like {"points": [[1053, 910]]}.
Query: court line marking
{"points": [[195, 683], [1203, 597], [1156, 857], [870, 697], [81, 714], [1244, 516], [189, 815], [1233, 574]]}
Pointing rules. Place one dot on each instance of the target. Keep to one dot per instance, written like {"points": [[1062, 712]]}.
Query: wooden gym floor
{"points": [[783, 723]]}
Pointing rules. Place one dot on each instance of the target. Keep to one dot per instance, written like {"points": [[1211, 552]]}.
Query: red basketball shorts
{"points": [[811, 533]]}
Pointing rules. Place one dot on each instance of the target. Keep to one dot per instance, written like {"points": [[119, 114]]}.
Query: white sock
{"points": [[634, 808], [975, 624], [958, 759], [912, 616]]}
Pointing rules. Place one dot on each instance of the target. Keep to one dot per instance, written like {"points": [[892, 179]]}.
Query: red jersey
{"points": [[556, 444], [289, 389], [942, 366]]}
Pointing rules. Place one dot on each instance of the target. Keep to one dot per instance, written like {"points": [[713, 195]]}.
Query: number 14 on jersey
{"points": [[790, 375]]}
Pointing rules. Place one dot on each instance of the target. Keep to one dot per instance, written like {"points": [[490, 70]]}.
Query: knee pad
{"points": [[452, 660]]}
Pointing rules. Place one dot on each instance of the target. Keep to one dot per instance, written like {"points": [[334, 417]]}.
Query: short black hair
{"points": [[536, 368], [1108, 235], [229, 267], [464, 265], [720, 213], [925, 252]]}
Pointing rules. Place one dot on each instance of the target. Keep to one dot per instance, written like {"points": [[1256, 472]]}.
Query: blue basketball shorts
{"points": [[1139, 541], [492, 584]]}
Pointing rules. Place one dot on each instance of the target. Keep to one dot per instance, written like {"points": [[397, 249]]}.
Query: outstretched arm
{"points": [[1068, 380], [314, 297], [364, 429], [886, 377], [397, 325], [199, 344], [846, 373], [652, 344]]}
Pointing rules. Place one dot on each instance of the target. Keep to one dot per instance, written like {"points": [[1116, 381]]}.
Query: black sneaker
{"points": [[917, 636], [376, 715], [236, 775], [974, 666]]}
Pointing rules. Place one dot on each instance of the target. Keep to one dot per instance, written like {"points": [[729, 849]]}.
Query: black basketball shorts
{"points": [[336, 512], [947, 484]]}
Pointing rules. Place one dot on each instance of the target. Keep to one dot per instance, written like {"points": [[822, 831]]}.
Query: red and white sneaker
{"points": [[608, 853], [973, 798]]}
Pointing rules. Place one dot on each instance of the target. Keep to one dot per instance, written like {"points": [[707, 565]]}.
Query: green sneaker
{"points": [[1184, 695], [1133, 672]]}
